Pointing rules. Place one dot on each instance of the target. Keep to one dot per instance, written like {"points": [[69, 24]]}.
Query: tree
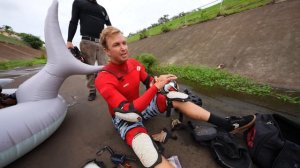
{"points": [[34, 41], [163, 19], [8, 29]]}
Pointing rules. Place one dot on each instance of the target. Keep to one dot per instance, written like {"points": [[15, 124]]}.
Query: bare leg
{"points": [[192, 110], [233, 124], [164, 164]]}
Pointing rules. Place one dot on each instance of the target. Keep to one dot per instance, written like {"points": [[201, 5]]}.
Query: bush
{"points": [[34, 41], [143, 34], [165, 28], [148, 60]]}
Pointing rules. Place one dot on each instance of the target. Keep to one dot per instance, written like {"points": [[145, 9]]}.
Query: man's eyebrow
{"points": [[115, 43]]}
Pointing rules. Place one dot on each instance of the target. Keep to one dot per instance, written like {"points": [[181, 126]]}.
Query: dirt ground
{"points": [[14, 52]]}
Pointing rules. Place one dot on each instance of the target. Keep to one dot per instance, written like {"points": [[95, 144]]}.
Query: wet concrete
{"points": [[87, 128], [17, 72], [229, 102]]}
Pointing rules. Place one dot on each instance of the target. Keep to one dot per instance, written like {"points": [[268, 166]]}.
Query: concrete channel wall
{"points": [[262, 43]]}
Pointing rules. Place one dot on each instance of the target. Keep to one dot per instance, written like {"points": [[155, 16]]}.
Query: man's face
{"points": [[117, 49]]}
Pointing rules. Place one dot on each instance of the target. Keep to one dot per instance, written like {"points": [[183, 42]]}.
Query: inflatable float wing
{"points": [[5, 81], [40, 109]]}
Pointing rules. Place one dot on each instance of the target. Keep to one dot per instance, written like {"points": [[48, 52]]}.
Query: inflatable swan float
{"points": [[40, 110]]}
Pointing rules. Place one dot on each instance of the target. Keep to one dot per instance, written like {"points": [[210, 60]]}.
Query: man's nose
{"points": [[123, 47]]}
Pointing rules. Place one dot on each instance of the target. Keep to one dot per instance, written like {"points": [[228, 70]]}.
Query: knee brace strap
{"points": [[145, 150]]}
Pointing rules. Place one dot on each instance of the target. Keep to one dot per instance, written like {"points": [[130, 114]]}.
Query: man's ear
{"points": [[106, 51]]}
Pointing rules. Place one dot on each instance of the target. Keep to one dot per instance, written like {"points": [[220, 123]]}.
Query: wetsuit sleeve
{"points": [[141, 103], [74, 21], [107, 84], [147, 81], [145, 77], [107, 20]]}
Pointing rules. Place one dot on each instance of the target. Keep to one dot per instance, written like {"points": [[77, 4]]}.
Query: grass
{"points": [[227, 7], [214, 78], [11, 64], [11, 40], [5, 65]]}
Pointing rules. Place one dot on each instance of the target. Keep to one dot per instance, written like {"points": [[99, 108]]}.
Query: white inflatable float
{"points": [[40, 109]]}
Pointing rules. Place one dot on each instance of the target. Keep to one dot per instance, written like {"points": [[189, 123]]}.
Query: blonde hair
{"points": [[106, 33]]}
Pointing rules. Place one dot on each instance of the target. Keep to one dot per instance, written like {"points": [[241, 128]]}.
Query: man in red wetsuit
{"points": [[119, 82]]}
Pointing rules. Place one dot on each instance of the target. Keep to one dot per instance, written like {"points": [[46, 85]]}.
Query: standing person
{"points": [[92, 18], [118, 82]]}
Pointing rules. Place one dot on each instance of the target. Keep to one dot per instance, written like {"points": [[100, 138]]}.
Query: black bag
{"points": [[274, 141], [225, 150], [228, 153]]}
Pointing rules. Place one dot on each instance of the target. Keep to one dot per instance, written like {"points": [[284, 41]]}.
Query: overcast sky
{"points": [[27, 16]]}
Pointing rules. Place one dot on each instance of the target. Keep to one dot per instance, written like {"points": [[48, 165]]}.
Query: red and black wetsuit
{"points": [[120, 83]]}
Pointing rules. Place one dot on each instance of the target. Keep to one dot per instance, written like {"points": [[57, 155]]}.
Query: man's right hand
{"points": [[70, 45], [163, 79]]}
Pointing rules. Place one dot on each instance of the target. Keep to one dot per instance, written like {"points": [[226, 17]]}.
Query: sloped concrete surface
{"points": [[262, 44]]}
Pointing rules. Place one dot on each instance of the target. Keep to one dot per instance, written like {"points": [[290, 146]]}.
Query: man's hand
{"points": [[70, 45], [163, 79]]}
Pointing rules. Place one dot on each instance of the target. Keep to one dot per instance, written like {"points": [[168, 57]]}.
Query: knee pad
{"points": [[177, 96], [145, 150], [94, 164], [171, 90], [171, 86]]}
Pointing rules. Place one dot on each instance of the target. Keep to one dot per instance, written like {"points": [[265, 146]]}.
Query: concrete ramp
{"points": [[262, 43]]}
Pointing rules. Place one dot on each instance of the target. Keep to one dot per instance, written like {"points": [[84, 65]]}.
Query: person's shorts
{"points": [[123, 126]]}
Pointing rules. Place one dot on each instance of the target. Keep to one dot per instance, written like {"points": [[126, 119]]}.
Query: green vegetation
{"points": [[215, 78], [148, 60], [23, 39], [4, 65], [10, 40], [227, 7], [34, 41]]}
